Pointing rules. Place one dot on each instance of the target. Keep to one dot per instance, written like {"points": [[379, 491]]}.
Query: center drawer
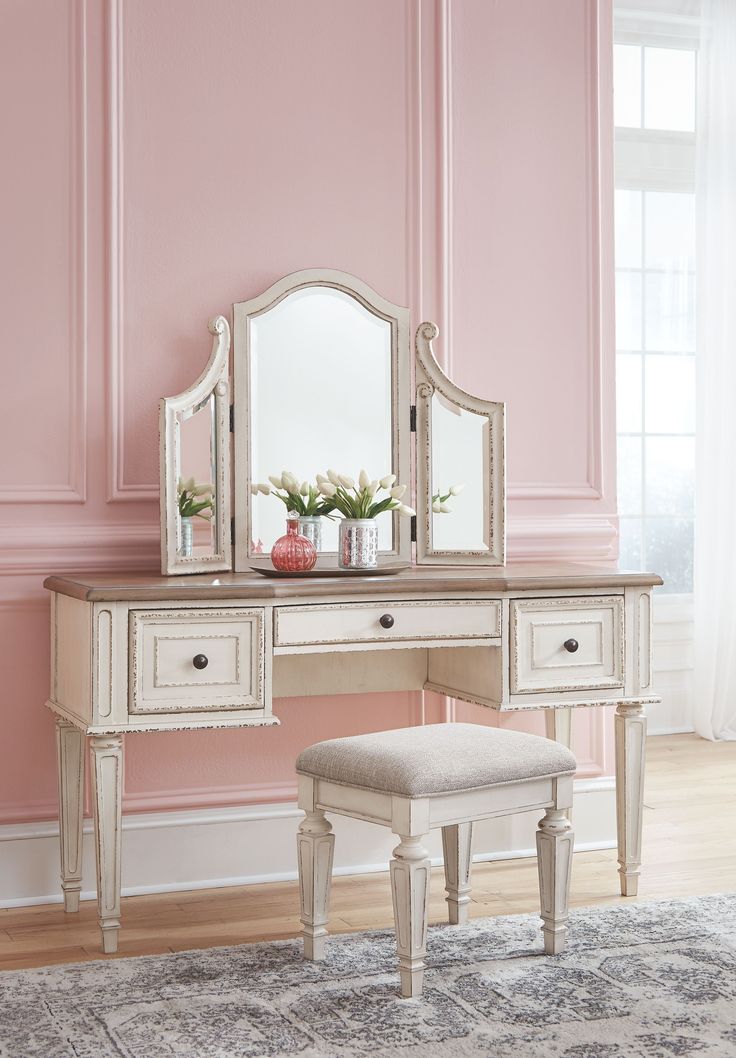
{"points": [[369, 623], [192, 660]]}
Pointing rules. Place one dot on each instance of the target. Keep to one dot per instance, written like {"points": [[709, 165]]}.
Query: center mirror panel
{"points": [[318, 377]]}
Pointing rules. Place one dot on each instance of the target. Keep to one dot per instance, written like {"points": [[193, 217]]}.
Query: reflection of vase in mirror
{"points": [[321, 385], [460, 457], [187, 538], [311, 527], [197, 461]]}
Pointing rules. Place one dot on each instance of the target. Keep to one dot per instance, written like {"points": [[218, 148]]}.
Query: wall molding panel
{"points": [[73, 489]]}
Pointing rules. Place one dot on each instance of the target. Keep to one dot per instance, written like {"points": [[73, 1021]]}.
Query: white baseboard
{"points": [[216, 847]]}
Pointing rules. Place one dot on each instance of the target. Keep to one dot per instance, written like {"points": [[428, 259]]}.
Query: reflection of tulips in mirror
{"points": [[439, 500], [195, 501], [303, 498]]}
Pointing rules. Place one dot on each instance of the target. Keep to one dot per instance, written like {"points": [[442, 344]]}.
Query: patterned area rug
{"points": [[651, 980]]}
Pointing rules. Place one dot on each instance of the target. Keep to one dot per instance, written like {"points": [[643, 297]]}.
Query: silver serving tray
{"points": [[328, 567]]}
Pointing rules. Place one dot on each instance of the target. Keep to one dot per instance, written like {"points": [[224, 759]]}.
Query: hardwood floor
{"points": [[689, 849]]}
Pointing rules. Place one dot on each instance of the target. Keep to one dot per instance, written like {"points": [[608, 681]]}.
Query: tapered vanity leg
{"points": [[70, 771], [631, 730], [558, 724], [410, 892], [456, 848], [106, 752], [554, 860], [315, 846]]}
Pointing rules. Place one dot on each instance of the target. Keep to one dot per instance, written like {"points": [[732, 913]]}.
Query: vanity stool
{"points": [[414, 780]]}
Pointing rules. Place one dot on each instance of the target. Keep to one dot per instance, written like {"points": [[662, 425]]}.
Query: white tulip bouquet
{"points": [[439, 502], [304, 499], [362, 500], [195, 500]]}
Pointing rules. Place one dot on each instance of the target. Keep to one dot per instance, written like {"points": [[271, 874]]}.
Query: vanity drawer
{"points": [[194, 660], [567, 644], [405, 622]]}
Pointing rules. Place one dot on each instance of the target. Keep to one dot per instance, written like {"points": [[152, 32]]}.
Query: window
{"points": [[654, 112]]}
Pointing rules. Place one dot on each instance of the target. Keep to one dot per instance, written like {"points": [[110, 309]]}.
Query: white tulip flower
{"points": [[321, 479], [455, 490], [290, 484], [276, 481], [445, 509], [372, 489], [189, 485], [333, 476], [436, 506], [388, 481], [304, 488], [264, 488], [363, 479], [408, 512], [327, 489], [254, 490], [346, 481], [397, 491]]}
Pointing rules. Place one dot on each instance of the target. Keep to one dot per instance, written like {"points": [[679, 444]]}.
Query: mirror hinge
{"points": [[232, 532], [232, 418], [413, 418], [413, 528]]}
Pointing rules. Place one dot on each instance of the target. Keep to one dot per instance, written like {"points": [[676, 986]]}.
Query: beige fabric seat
{"points": [[436, 758], [418, 779]]}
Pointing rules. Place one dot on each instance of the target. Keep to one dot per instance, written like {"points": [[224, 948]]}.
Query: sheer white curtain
{"points": [[715, 521]]}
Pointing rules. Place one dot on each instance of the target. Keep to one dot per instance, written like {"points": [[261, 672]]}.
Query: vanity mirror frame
{"points": [[398, 318], [431, 379], [214, 381]]}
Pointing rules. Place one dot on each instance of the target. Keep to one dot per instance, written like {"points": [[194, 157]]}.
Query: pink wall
{"points": [[168, 159]]}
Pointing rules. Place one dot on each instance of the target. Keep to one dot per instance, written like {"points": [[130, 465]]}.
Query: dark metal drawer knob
{"points": [[200, 661], [386, 620], [571, 645]]}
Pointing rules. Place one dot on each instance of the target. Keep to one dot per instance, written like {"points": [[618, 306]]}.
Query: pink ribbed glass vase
{"points": [[293, 553]]}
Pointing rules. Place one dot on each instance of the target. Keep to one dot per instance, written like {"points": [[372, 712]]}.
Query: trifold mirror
{"points": [[321, 382]]}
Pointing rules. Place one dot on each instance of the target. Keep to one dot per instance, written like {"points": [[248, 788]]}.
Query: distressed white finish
{"points": [[457, 853], [430, 378], [107, 679], [554, 859], [243, 313], [107, 790], [70, 765], [214, 379], [412, 819], [541, 627]]}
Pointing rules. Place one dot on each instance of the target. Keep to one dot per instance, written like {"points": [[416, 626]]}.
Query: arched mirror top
{"points": [[321, 381]]}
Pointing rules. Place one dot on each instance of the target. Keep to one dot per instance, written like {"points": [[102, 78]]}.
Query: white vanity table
{"points": [[143, 653]]}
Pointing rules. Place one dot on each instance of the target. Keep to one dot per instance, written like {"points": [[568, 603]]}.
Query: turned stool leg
{"points": [[315, 846], [456, 848], [410, 891], [554, 859]]}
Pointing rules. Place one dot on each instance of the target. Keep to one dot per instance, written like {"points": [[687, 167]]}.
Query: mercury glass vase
{"points": [[293, 553], [358, 545], [186, 549], [311, 527]]}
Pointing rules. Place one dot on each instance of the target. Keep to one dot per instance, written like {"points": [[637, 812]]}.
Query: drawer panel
{"points": [[228, 645], [361, 622], [540, 628]]}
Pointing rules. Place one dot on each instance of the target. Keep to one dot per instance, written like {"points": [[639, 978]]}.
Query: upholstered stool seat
{"points": [[414, 780]]}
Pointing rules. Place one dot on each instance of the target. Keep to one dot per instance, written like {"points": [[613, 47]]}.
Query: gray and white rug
{"points": [[653, 980]]}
